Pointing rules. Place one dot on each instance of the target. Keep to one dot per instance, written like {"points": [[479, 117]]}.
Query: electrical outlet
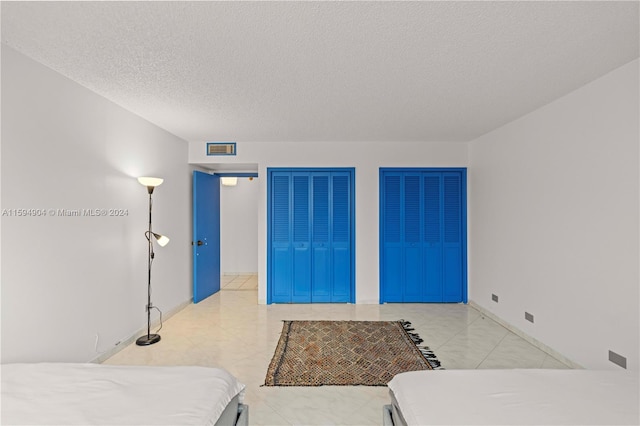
{"points": [[494, 297], [528, 317]]}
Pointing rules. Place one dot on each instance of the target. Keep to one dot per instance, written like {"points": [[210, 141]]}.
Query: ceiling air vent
{"points": [[221, 148]]}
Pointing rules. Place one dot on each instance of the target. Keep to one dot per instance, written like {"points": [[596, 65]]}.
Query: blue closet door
{"points": [[412, 244], [452, 244], [321, 239], [391, 235], [341, 243], [301, 244], [310, 236], [422, 234], [281, 250], [432, 254]]}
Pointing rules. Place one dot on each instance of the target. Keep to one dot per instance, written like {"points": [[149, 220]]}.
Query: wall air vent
{"points": [[618, 359], [221, 148]]}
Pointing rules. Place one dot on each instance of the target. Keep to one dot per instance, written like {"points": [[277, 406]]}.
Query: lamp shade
{"points": [[150, 181], [229, 181], [162, 240]]}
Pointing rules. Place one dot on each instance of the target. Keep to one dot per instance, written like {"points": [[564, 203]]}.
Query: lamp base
{"points": [[147, 340]]}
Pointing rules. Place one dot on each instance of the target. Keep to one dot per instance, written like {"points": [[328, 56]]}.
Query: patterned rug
{"points": [[346, 353]]}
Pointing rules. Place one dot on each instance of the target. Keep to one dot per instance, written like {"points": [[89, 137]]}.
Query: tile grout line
{"points": [[460, 331], [483, 317], [492, 350]]}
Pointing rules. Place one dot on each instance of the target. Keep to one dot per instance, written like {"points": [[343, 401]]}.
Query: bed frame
{"points": [[235, 414]]}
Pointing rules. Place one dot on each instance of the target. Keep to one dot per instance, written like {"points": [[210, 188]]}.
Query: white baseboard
{"points": [[129, 340], [535, 342]]}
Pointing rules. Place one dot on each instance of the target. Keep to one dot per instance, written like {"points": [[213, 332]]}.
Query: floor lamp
{"points": [[150, 183]]}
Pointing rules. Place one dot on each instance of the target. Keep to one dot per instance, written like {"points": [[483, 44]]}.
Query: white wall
{"points": [[554, 221], [239, 227], [67, 279], [367, 158]]}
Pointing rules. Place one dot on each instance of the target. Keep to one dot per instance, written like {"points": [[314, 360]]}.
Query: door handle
{"points": [[200, 243]]}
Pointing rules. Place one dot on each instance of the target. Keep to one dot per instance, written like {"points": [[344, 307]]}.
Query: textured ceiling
{"points": [[327, 71]]}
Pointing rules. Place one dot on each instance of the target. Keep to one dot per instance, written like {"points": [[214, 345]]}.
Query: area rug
{"points": [[346, 353]]}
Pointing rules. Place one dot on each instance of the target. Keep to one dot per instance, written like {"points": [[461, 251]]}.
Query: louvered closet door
{"points": [[340, 231], [392, 275], [321, 291], [301, 242], [412, 244], [452, 250], [432, 255], [281, 255], [402, 247], [310, 237], [422, 236]]}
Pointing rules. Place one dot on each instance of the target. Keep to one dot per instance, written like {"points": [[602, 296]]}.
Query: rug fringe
{"points": [[415, 337], [431, 357], [425, 350]]}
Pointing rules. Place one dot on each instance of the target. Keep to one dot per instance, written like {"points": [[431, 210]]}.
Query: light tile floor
{"points": [[239, 282], [232, 331]]}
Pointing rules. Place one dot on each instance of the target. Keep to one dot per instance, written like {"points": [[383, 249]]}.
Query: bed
{"points": [[513, 397], [92, 394]]}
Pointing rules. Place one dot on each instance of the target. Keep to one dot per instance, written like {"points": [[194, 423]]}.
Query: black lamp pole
{"points": [[149, 339]]}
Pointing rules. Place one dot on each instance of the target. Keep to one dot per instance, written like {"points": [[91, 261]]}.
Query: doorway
{"points": [[239, 233], [220, 212]]}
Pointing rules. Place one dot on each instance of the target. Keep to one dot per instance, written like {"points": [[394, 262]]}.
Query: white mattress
{"points": [[91, 394], [517, 397]]}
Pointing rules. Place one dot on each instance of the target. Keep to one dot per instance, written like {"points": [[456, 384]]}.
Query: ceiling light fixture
{"points": [[229, 181]]}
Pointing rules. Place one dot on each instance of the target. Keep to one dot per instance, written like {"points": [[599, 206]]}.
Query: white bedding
{"points": [[517, 397], [91, 394]]}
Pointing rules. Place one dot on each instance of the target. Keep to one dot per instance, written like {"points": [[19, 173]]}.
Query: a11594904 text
{"points": [[57, 212]]}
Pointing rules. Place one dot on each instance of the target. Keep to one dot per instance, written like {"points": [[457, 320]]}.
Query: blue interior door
{"points": [[310, 236], [206, 235], [452, 242], [321, 247], [422, 235], [341, 253], [432, 255], [411, 241], [391, 237], [301, 249], [280, 250]]}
